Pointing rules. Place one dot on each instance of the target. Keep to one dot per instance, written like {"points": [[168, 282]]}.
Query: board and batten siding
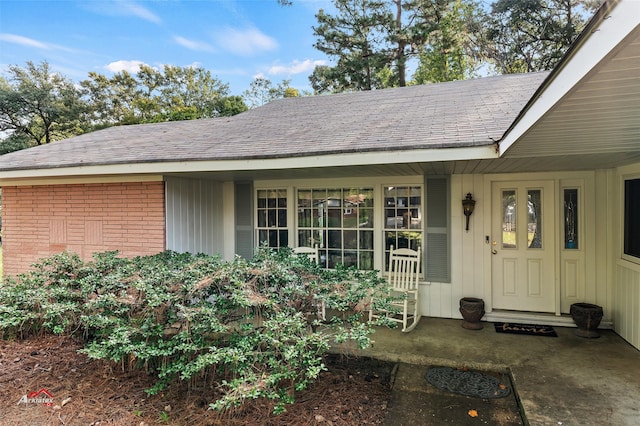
{"points": [[626, 292], [194, 216], [627, 306]]}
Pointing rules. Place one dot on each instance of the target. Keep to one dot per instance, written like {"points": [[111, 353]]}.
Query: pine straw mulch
{"points": [[354, 391]]}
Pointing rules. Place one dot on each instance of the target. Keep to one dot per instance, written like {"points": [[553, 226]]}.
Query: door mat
{"points": [[528, 329], [467, 382]]}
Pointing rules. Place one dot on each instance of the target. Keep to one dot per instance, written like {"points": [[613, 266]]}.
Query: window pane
{"points": [[304, 238], [509, 219], [350, 239], [335, 258], [262, 200], [282, 218], [350, 258], [304, 217], [334, 217], [391, 221], [283, 238], [263, 236], [282, 198], [271, 218], [273, 238], [366, 260], [366, 240], [365, 218], [534, 218], [334, 239], [415, 218], [571, 218], [262, 218]]}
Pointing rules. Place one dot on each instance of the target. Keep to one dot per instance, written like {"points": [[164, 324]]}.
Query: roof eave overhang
{"points": [[612, 23], [8, 177]]}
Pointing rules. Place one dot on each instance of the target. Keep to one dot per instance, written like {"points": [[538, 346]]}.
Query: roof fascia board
{"points": [[615, 21], [331, 160], [74, 180]]}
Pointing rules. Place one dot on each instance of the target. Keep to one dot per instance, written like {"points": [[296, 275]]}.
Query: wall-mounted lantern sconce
{"points": [[467, 205]]}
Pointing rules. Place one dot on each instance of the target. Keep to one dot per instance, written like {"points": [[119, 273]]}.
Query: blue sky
{"points": [[237, 40]]}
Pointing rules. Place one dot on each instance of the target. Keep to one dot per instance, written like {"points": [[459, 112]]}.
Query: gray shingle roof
{"points": [[456, 114]]}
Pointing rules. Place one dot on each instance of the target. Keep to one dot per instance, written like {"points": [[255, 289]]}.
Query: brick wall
{"points": [[38, 221]]}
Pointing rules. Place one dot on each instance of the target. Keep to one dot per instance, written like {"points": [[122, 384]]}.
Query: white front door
{"points": [[523, 248]]}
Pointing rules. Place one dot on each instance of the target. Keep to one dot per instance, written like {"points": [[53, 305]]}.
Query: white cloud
{"points": [[133, 9], [29, 42], [296, 67], [192, 45], [122, 8], [129, 66], [245, 42]]}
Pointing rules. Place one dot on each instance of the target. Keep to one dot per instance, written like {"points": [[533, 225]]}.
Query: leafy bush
{"points": [[249, 325]]}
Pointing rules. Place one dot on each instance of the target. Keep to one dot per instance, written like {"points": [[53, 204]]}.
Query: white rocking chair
{"points": [[313, 255], [310, 252], [404, 275]]}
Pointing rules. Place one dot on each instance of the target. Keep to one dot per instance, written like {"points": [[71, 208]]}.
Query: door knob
{"points": [[493, 250]]}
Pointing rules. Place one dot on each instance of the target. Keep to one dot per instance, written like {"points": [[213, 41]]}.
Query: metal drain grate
{"points": [[466, 382]]}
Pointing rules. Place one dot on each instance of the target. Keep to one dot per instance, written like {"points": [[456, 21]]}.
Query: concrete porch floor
{"points": [[564, 380]]}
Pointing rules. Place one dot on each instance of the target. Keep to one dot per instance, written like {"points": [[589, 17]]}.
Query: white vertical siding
{"points": [[585, 276], [627, 295], [194, 216], [626, 273], [467, 253]]}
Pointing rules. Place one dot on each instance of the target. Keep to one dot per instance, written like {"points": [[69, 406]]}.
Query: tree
{"points": [[38, 106], [151, 95], [449, 53], [231, 105], [532, 35], [262, 91], [356, 37], [373, 41]]}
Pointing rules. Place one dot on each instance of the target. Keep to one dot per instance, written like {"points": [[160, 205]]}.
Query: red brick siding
{"points": [[38, 221]]}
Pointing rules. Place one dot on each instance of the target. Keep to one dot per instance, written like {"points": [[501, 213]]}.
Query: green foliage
{"points": [[373, 42], [532, 35], [262, 91], [449, 55], [152, 95], [249, 325], [46, 300], [356, 36], [38, 106]]}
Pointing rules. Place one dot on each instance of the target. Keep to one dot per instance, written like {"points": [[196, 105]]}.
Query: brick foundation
{"points": [[38, 221]]}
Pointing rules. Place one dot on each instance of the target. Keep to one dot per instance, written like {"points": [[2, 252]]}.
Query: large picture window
{"points": [[340, 222], [344, 222], [632, 217]]}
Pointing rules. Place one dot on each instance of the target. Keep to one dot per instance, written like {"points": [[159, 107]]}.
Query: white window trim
{"points": [[623, 179], [377, 183]]}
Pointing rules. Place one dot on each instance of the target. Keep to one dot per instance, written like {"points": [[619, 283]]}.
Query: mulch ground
{"points": [[353, 391]]}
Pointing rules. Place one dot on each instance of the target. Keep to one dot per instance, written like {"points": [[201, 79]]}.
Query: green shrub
{"points": [[250, 325]]}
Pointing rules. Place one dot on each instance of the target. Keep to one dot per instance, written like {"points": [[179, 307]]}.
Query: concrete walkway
{"points": [[564, 380]]}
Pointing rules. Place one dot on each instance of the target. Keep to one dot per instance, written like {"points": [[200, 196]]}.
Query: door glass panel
{"points": [[571, 218], [534, 218], [509, 219]]}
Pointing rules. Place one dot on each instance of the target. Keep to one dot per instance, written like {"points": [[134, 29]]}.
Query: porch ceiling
{"points": [[598, 121]]}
